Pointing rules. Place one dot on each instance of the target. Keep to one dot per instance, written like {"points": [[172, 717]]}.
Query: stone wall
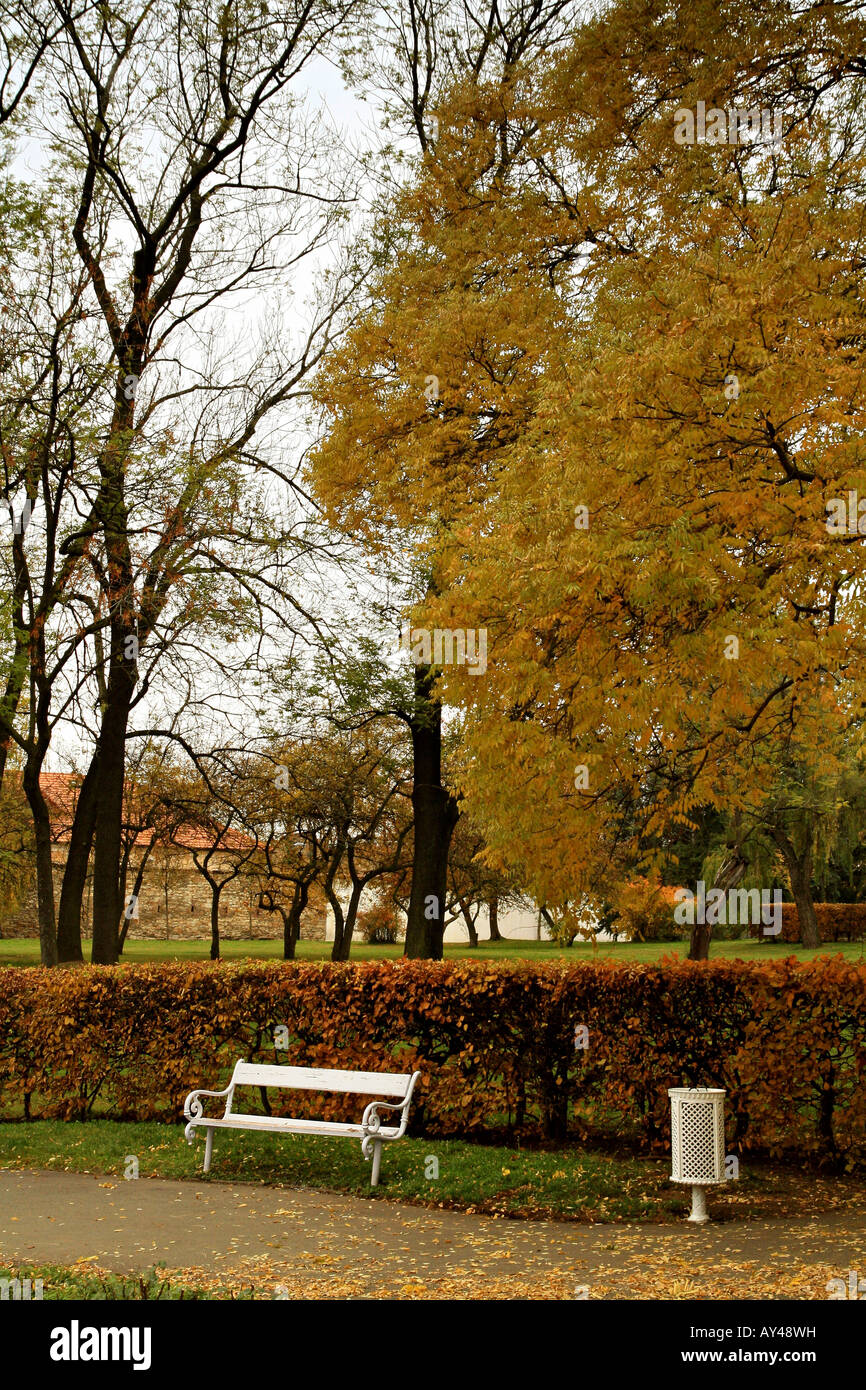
{"points": [[174, 904]]}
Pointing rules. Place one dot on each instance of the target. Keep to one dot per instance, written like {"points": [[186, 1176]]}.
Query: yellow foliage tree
{"points": [[648, 413]]}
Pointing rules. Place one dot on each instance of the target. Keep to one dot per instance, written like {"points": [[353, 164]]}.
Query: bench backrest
{"points": [[367, 1083]]}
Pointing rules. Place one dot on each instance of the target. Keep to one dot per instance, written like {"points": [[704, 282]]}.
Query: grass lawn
{"points": [[25, 951], [567, 1183]]}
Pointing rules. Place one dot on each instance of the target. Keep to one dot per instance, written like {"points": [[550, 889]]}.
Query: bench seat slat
{"points": [[284, 1125], [366, 1083]]}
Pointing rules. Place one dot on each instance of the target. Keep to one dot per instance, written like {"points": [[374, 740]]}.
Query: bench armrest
{"points": [[192, 1106], [370, 1120]]}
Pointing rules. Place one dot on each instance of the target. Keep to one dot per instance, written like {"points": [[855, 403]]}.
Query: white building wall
{"points": [[515, 923]]}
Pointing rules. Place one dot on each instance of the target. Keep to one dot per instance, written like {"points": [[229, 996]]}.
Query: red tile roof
{"points": [[60, 790]]}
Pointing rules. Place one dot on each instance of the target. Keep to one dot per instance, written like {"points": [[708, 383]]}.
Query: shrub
{"points": [[380, 925], [646, 911], [836, 922], [495, 1042]]}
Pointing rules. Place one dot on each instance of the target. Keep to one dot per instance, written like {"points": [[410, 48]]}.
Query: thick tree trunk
{"points": [[729, 873], [215, 891], [699, 945], [75, 870], [108, 832], [291, 931], [123, 649], [435, 816], [493, 911], [799, 868], [292, 920], [44, 871]]}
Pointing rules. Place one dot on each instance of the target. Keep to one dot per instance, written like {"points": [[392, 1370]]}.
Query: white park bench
{"points": [[371, 1132]]}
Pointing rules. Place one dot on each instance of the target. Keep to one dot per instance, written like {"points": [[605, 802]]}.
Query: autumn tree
{"points": [[378, 392], [49, 379], [811, 809], [210, 821], [229, 194], [27, 31], [380, 828], [636, 431], [287, 808], [153, 816], [362, 823], [17, 855], [472, 885]]}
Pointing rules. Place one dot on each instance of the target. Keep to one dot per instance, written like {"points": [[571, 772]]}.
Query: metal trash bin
{"points": [[697, 1142]]}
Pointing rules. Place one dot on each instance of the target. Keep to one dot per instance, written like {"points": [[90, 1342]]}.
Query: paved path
{"points": [[328, 1243]]}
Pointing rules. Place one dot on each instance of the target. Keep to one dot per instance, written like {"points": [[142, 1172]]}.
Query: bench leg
{"points": [[377, 1159], [208, 1150]]}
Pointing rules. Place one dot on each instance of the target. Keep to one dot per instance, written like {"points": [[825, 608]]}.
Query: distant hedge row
{"points": [[500, 1045], [836, 922]]}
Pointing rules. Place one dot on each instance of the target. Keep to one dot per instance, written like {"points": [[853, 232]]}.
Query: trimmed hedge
{"points": [[836, 922], [495, 1043]]}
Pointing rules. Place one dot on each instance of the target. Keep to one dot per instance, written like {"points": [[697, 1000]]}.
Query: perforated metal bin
{"points": [[697, 1141]]}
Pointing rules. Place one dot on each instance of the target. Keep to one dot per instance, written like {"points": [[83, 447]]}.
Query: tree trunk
{"points": [[122, 898], [799, 868], [136, 890], [343, 938], [292, 920], [551, 925], [75, 869], [435, 816], [10, 701], [122, 652], [215, 891], [18, 668], [728, 875], [44, 871], [291, 926], [493, 911], [470, 924], [801, 889], [337, 909], [40, 740], [108, 833], [334, 860]]}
